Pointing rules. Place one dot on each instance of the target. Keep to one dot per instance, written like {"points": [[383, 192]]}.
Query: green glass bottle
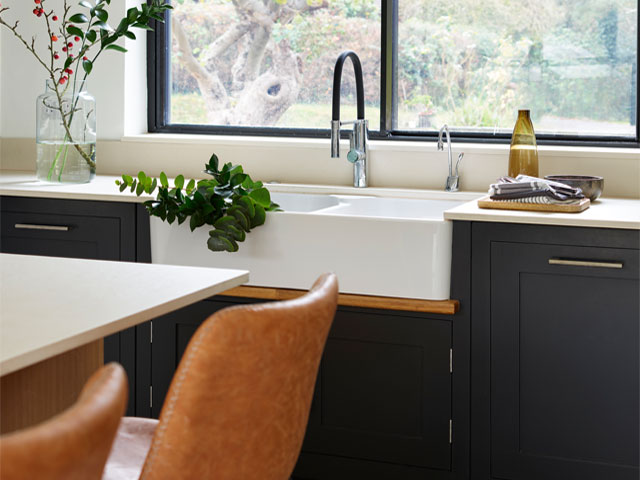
{"points": [[523, 155]]}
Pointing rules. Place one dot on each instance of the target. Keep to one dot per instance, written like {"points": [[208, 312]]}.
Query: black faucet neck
{"points": [[337, 77]]}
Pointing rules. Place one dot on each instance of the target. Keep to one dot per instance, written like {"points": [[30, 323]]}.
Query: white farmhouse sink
{"points": [[395, 247]]}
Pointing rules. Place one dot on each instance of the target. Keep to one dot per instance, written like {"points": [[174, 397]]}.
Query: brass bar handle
{"points": [[32, 226], [584, 263]]}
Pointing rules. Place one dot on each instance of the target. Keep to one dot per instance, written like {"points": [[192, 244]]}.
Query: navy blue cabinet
{"points": [[555, 329]]}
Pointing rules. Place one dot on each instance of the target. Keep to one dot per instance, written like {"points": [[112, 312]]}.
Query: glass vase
{"points": [[523, 154], [65, 135]]}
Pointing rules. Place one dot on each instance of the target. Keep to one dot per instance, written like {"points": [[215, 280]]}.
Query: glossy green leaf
{"points": [[103, 26], [247, 204], [179, 181], [73, 30], [191, 185], [196, 221], [85, 4], [237, 233], [87, 65], [238, 179], [241, 218], [213, 163], [143, 26], [164, 181], [226, 220], [115, 47], [91, 36], [132, 14], [261, 196], [78, 18], [259, 218], [102, 15], [220, 243]]}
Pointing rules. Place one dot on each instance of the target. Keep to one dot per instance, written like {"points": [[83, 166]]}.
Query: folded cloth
{"points": [[540, 200], [527, 189]]}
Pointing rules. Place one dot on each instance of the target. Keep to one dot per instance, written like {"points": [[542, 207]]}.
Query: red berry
{"points": [[35, 11], [54, 38], [36, 1], [71, 55], [70, 44], [62, 80], [77, 39], [64, 49], [56, 56], [85, 58], [54, 18]]}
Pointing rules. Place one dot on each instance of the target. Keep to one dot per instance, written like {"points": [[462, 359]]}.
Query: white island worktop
{"points": [[51, 305]]}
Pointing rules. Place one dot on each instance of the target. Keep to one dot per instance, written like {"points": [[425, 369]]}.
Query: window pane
{"points": [[270, 62], [474, 63]]}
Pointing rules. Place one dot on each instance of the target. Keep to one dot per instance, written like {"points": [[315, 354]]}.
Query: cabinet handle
{"points": [[31, 226], [584, 263]]}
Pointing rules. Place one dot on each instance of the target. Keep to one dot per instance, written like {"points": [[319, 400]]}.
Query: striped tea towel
{"points": [[525, 189]]}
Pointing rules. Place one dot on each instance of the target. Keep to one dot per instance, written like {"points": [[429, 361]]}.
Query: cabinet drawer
{"points": [[67, 228]]}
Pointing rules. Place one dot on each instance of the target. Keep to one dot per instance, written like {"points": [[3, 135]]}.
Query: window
{"points": [[266, 67]]}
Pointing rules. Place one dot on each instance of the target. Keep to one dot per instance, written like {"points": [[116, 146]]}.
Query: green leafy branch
{"points": [[79, 39], [230, 202]]}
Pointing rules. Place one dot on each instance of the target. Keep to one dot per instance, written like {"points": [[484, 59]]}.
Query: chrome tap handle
{"points": [[460, 155], [452, 184], [335, 138]]}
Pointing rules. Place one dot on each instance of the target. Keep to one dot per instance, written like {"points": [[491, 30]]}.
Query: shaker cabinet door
{"points": [[383, 392], [564, 362]]}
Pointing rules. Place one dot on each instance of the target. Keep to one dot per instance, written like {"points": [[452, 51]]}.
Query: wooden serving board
{"points": [[486, 202]]}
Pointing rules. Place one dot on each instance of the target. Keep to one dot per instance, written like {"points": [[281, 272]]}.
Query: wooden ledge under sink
{"points": [[443, 307]]}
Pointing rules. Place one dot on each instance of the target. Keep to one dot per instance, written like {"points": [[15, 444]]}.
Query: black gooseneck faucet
{"points": [[358, 136]]}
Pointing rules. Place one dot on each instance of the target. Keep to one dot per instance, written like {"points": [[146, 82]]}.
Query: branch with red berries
{"points": [[78, 39]]}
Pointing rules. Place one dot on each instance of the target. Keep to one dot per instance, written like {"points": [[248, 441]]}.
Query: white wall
{"points": [[119, 86]]}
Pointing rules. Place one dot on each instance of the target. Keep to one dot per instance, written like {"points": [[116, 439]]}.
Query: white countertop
{"points": [[103, 187], [50, 305], [603, 213]]}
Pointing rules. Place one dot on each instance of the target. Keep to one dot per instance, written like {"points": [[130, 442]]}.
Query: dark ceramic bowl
{"points": [[591, 186]]}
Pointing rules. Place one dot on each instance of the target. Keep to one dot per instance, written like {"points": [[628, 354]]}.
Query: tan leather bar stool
{"points": [[238, 404], [75, 444]]}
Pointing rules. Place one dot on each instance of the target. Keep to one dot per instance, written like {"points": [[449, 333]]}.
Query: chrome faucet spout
{"points": [[358, 136], [445, 129], [451, 185]]}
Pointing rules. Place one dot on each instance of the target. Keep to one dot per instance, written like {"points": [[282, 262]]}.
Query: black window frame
{"points": [[158, 81]]}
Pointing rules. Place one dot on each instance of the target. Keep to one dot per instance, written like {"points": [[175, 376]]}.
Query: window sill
{"points": [[377, 145]]}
